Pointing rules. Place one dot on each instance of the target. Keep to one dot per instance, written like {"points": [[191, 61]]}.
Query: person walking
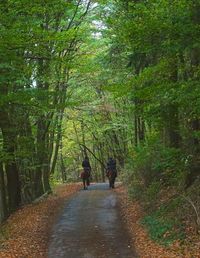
{"points": [[85, 175], [111, 172]]}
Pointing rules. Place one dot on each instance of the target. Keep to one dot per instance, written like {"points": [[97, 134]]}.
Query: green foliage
{"points": [[164, 223], [154, 162], [122, 81], [152, 192], [136, 190], [40, 45], [54, 182], [162, 230], [4, 234]]}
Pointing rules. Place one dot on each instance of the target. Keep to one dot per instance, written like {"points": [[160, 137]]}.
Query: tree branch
{"points": [[93, 154]]}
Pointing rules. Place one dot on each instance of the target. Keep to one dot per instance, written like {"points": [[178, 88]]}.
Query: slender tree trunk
{"points": [[14, 193], [9, 141], [119, 152], [25, 144], [83, 139], [101, 152], [3, 206], [62, 167], [194, 142], [136, 130], [45, 174], [172, 111], [78, 141], [40, 151], [62, 164], [173, 126], [57, 143], [194, 125], [141, 129]]}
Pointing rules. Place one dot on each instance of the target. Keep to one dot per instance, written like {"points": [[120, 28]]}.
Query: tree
{"points": [[39, 44]]}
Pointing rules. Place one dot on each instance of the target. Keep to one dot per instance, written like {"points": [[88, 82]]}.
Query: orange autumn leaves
{"points": [[146, 248], [29, 228]]}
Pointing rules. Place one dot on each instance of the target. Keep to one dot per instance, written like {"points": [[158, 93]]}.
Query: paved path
{"points": [[90, 227]]}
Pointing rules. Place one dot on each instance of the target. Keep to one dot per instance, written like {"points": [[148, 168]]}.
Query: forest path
{"points": [[91, 227]]}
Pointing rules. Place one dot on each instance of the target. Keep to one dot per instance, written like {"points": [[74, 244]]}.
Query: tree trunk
{"points": [[141, 129], [9, 141], [173, 126], [102, 166], [3, 207], [46, 173], [26, 163], [83, 139], [194, 171], [172, 115], [194, 145], [14, 193], [136, 130], [40, 152], [57, 143]]}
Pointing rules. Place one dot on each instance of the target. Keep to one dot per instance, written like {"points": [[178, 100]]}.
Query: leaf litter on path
{"points": [[29, 228]]}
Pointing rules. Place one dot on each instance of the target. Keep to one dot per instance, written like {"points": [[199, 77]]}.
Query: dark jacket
{"points": [[111, 167], [86, 164]]}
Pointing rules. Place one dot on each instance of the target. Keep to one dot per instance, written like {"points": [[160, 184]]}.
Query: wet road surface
{"points": [[90, 227]]}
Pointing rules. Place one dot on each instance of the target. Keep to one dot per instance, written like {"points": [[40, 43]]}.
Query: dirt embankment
{"points": [[145, 247]]}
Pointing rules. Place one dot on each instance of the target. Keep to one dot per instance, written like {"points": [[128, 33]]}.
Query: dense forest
{"points": [[102, 78]]}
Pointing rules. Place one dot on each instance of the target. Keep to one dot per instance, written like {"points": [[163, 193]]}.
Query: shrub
{"points": [[154, 162], [162, 230], [152, 191]]}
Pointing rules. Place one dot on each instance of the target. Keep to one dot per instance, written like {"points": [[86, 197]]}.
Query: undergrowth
{"points": [[162, 228], [4, 233], [156, 177]]}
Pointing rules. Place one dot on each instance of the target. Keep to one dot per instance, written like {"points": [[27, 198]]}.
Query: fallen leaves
{"points": [[146, 248], [30, 227]]}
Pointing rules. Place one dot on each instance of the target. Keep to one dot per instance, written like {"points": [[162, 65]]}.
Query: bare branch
{"points": [[93, 155], [194, 207], [74, 16]]}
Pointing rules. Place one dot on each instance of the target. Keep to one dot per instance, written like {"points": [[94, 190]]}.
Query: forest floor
{"points": [[26, 233], [146, 248]]}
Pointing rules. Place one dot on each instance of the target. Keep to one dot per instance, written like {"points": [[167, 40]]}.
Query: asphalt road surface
{"points": [[90, 226]]}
